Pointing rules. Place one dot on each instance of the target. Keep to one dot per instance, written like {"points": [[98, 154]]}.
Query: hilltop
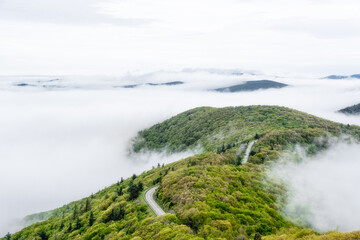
{"points": [[209, 195], [216, 129], [352, 110], [339, 77], [252, 86]]}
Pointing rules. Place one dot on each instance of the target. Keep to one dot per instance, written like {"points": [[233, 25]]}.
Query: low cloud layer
{"points": [[324, 189], [60, 145]]}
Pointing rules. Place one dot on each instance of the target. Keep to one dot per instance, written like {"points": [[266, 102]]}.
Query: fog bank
{"points": [[58, 145], [324, 188]]}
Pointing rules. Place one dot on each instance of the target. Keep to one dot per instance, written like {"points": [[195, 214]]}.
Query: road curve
{"points": [[149, 198], [247, 153]]}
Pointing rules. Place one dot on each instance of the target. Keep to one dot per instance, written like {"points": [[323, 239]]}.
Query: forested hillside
{"points": [[209, 195], [216, 129]]}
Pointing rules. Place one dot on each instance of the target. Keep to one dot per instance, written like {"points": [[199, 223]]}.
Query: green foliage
{"points": [[135, 189], [211, 195], [219, 199], [8, 236], [43, 235], [91, 219], [309, 234], [218, 129]]}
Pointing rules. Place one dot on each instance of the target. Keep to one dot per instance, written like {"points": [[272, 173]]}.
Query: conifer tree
{"points": [[8, 236], [87, 205], [91, 219], [77, 223], [43, 235]]}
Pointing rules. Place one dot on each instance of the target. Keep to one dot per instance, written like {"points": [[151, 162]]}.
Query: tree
{"points": [[43, 235], [61, 225], [140, 186], [91, 219], [69, 230], [133, 176], [122, 180], [119, 191], [257, 136], [134, 190], [238, 160], [8, 236], [74, 212], [87, 205], [117, 213], [77, 223]]}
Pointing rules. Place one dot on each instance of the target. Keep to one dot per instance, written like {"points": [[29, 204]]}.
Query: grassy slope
{"points": [[212, 197]]}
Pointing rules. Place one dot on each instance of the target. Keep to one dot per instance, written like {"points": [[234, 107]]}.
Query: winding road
{"points": [[149, 195], [149, 198], [247, 153]]}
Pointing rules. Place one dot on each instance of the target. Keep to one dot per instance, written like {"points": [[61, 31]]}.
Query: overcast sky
{"points": [[118, 36]]}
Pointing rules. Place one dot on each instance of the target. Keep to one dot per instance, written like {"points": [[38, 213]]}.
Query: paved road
{"points": [[247, 153], [149, 198]]}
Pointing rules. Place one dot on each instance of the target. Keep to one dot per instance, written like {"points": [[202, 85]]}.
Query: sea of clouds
{"points": [[323, 188], [66, 141]]}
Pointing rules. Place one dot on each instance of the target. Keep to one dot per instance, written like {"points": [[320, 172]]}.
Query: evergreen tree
{"points": [[140, 186], [91, 219], [134, 190], [69, 230], [74, 212], [8, 236], [43, 235], [122, 180], [238, 160], [77, 223], [117, 213], [61, 225], [119, 191], [133, 176], [87, 205]]}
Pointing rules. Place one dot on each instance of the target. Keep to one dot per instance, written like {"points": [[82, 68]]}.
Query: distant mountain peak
{"points": [[252, 86], [352, 110]]}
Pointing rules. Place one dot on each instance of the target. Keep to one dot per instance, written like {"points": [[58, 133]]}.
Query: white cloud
{"points": [[60, 12], [112, 37], [60, 145], [324, 188]]}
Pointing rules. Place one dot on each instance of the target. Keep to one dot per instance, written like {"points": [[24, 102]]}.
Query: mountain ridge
{"points": [[211, 194]]}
